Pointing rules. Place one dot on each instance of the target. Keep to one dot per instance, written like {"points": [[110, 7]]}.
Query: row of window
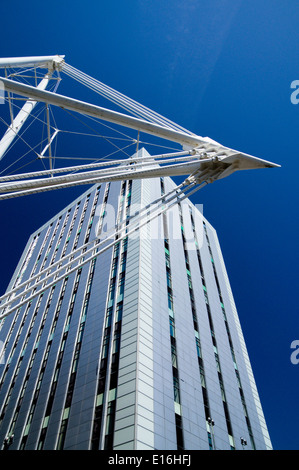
{"points": [[53, 326], [42, 368], [196, 334], [108, 431], [213, 336], [26, 262], [18, 281], [29, 304], [174, 359], [105, 406], [47, 414], [75, 360], [230, 341]]}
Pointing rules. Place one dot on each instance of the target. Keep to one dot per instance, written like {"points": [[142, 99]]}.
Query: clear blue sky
{"points": [[223, 69]]}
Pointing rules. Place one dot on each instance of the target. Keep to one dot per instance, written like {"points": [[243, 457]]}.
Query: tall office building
{"points": [[139, 347]]}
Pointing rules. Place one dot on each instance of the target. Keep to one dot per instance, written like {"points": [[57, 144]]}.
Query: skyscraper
{"points": [[135, 342]]}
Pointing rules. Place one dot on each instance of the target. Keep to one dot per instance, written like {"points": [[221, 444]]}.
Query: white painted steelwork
{"points": [[201, 162]]}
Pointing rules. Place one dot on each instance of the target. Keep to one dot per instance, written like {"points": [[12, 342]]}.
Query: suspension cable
{"points": [[118, 98]]}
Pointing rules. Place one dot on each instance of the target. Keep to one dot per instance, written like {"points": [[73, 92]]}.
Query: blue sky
{"points": [[223, 69]]}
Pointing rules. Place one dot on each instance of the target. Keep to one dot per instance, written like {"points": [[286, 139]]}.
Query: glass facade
{"points": [[139, 347]]}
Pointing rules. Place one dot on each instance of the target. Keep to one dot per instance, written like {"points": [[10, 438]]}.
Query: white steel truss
{"points": [[201, 162]]}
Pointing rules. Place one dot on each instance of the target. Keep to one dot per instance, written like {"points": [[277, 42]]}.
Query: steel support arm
{"points": [[105, 114], [48, 61], [245, 161], [118, 174]]}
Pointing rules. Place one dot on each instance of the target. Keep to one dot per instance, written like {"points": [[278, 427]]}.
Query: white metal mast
{"points": [[49, 62], [201, 161]]}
